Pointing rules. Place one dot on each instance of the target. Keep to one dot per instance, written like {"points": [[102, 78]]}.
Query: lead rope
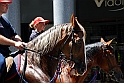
{"points": [[94, 77], [58, 71]]}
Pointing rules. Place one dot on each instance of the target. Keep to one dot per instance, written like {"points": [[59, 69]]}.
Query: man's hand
{"points": [[20, 45]]}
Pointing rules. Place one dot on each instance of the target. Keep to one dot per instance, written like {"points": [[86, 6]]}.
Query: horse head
{"points": [[74, 46], [109, 63], [98, 54]]}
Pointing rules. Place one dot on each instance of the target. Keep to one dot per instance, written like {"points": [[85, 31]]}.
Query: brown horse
{"points": [[98, 54], [43, 53]]}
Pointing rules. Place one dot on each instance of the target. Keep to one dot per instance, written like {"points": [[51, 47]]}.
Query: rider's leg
{"points": [[2, 66]]}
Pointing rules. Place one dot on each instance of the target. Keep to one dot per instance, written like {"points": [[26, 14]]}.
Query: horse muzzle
{"points": [[115, 76], [78, 69]]}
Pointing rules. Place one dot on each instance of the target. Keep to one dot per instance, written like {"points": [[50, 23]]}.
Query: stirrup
{"points": [[9, 62]]}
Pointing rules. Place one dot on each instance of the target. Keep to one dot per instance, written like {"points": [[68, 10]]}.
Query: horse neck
{"points": [[94, 51], [46, 64], [48, 43]]}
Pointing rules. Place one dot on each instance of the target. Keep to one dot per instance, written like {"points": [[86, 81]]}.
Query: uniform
{"points": [[8, 31]]}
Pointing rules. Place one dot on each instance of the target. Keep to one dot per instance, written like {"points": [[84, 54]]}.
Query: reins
{"points": [[25, 64], [27, 49], [58, 70], [56, 58]]}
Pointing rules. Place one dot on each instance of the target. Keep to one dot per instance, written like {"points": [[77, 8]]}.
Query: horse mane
{"points": [[92, 49], [46, 41]]}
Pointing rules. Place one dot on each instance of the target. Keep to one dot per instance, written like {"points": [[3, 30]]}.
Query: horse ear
{"points": [[72, 20], [77, 24], [109, 42], [102, 40]]}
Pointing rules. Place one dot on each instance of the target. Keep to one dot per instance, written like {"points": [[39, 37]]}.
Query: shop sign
{"points": [[119, 4], [90, 10]]}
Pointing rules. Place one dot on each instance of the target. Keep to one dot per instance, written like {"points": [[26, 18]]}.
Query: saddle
{"points": [[9, 60]]}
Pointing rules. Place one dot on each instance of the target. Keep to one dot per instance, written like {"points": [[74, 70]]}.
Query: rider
{"points": [[38, 24], [8, 37]]}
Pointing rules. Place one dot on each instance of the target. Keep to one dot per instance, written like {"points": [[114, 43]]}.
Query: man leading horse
{"points": [[8, 37]]}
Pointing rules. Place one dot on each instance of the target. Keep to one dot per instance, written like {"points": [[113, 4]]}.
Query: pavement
{"points": [[122, 81], [99, 81]]}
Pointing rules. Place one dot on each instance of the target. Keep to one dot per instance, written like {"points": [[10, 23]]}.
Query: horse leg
{"points": [[82, 78]]}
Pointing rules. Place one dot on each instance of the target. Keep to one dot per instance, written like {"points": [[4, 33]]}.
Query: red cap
{"points": [[6, 1], [40, 19]]}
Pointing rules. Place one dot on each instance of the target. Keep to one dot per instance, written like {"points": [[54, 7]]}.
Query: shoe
{"points": [[9, 62]]}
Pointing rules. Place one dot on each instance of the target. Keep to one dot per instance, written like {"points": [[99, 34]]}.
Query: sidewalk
{"points": [[99, 81], [122, 81]]}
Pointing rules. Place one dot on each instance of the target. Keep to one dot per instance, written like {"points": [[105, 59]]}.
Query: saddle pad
{"points": [[14, 68]]}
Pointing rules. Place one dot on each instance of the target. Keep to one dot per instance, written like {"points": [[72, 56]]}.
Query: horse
{"points": [[44, 53], [99, 54]]}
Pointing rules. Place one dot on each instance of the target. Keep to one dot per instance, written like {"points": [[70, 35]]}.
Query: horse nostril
{"points": [[80, 71], [80, 67]]}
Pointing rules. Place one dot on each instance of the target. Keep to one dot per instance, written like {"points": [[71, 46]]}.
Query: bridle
{"points": [[73, 41], [71, 34], [107, 57], [111, 68], [60, 50], [62, 56]]}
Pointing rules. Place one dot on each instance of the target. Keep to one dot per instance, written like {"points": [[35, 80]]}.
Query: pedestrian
{"points": [[38, 26], [8, 37]]}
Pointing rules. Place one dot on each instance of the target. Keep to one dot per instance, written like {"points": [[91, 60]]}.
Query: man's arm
{"points": [[6, 41]]}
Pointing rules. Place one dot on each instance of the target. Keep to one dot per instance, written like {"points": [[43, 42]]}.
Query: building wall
{"points": [[100, 10], [32, 8]]}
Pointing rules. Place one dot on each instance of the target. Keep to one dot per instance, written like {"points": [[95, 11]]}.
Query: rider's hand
{"points": [[20, 45]]}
